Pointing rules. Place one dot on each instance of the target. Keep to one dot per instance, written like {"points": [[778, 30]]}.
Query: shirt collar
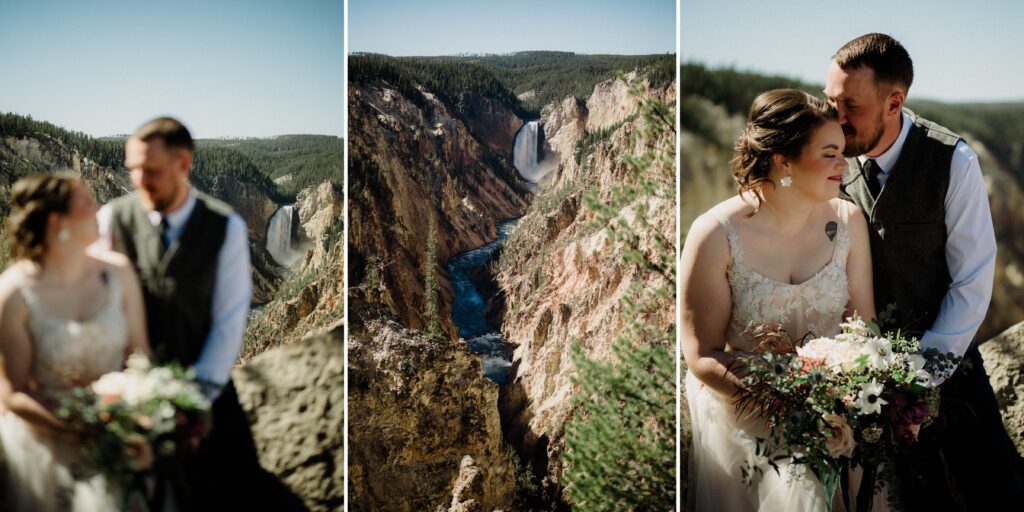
{"points": [[178, 217], [886, 161]]}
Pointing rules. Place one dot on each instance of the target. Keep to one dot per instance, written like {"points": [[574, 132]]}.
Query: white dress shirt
{"points": [[232, 289], [970, 246]]}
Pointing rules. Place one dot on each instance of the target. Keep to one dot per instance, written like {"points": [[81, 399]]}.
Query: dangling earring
{"points": [[786, 181], [64, 234]]}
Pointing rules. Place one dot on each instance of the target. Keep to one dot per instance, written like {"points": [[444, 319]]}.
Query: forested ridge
{"points": [[308, 159], [541, 77]]}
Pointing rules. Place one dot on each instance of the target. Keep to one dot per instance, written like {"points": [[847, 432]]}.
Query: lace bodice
{"points": [[72, 353], [815, 306]]}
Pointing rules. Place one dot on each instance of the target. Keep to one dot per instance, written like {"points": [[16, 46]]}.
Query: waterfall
{"points": [[526, 150], [279, 237]]}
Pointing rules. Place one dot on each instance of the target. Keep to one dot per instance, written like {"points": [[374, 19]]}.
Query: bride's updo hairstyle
{"points": [[33, 199], [781, 121]]}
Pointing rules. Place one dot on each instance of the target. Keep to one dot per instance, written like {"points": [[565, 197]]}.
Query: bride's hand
{"points": [[738, 366]]}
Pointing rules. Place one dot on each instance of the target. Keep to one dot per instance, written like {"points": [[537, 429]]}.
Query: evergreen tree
{"points": [[621, 441], [431, 310]]}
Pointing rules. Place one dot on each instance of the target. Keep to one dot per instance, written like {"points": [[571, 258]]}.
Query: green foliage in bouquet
{"points": [[859, 398], [621, 441], [136, 423]]}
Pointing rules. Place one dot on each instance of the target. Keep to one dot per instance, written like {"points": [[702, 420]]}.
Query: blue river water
{"points": [[468, 309]]}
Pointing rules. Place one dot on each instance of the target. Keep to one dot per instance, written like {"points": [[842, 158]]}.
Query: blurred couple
{"points": [[163, 270], [812, 238]]}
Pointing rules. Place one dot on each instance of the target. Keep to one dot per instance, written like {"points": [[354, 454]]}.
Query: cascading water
{"points": [[468, 308], [526, 150], [279, 237]]}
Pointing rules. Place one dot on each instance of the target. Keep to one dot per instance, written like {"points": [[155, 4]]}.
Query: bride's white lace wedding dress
{"points": [[66, 353], [723, 440]]}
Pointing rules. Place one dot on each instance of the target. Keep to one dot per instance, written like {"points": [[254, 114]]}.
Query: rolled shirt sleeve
{"points": [[232, 294], [970, 256]]}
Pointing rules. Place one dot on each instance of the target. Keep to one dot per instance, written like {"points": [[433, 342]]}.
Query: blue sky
{"points": [[962, 51], [409, 27], [255, 68]]}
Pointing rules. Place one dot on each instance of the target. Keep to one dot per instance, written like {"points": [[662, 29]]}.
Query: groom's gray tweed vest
{"points": [[907, 225], [177, 284]]}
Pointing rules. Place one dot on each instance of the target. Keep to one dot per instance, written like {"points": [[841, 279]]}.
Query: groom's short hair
{"points": [[883, 54], [170, 130]]}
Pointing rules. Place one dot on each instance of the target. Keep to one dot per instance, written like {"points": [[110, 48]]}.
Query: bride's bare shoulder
{"points": [[707, 234], [732, 210], [11, 280]]}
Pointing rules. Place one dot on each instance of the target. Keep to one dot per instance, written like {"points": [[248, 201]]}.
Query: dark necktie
{"points": [[164, 228], [872, 170]]}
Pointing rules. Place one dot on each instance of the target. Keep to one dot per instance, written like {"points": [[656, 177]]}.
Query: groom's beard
{"points": [[856, 148], [162, 203]]}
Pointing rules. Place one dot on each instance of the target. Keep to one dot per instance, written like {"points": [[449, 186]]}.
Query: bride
{"points": [[67, 316], [787, 251]]}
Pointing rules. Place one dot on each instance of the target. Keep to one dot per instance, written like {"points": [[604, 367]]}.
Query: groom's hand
{"points": [[211, 390]]}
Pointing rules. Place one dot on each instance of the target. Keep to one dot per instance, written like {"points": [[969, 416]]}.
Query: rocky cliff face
{"points": [[610, 103], [565, 281], [319, 210], [563, 126], [311, 296], [294, 398], [1004, 362], [409, 163], [42, 153], [256, 208], [425, 432], [424, 429], [493, 124]]}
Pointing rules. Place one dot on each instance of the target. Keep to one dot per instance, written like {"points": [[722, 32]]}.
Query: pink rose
{"points": [[841, 442]]}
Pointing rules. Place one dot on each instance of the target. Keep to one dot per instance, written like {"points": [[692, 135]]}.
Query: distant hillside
{"points": [[544, 77], [713, 107], [524, 81], [293, 162], [447, 77]]}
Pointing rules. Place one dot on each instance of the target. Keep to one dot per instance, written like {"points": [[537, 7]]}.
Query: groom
{"points": [[933, 250], [191, 253]]}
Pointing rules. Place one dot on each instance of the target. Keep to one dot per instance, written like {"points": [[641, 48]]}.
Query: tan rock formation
{"points": [[311, 296], [319, 208], [610, 103], [565, 283], [294, 397], [490, 121], [1004, 362], [47, 154], [418, 408], [563, 126]]}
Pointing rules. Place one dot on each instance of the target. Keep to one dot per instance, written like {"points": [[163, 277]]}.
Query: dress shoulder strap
{"points": [[31, 298], [730, 235], [842, 247]]}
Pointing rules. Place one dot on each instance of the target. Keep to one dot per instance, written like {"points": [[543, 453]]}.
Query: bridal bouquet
{"points": [[136, 420], [860, 397]]}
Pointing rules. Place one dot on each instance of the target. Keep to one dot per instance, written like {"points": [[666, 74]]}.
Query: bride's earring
{"points": [[64, 234], [786, 181]]}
